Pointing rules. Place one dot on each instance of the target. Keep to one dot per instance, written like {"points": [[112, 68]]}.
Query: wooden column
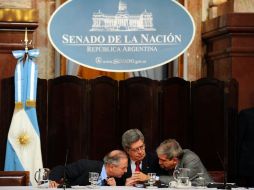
{"points": [[46, 60], [230, 53], [194, 52]]}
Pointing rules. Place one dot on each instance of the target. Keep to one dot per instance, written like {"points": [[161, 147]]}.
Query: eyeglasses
{"points": [[140, 148]]}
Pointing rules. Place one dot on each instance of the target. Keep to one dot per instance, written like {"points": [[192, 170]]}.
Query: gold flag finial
{"points": [[26, 41]]}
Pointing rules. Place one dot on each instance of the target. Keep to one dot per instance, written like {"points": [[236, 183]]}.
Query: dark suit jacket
{"points": [[76, 173], [150, 164]]}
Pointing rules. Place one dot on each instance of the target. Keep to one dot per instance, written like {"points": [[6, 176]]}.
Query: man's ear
{"points": [[127, 150], [175, 160], [111, 167]]}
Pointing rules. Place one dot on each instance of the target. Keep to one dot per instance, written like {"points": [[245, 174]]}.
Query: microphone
{"points": [[64, 178], [65, 184], [225, 185]]}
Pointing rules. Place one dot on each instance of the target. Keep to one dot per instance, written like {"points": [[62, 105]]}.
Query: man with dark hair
{"points": [[172, 156], [140, 163], [114, 165]]}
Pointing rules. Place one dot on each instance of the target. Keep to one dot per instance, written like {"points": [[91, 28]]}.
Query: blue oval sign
{"points": [[121, 35]]}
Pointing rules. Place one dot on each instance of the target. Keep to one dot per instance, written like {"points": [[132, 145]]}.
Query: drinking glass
{"points": [[42, 177], [93, 179], [152, 179], [181, 175], [200, 180]]}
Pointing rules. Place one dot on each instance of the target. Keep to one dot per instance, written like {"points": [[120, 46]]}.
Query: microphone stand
{"points": [[64, 185], [225, 185]]}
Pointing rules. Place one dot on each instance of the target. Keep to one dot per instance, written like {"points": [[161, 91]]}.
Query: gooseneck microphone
{"points": [[65, 184], [225, 185], [64, 177]]}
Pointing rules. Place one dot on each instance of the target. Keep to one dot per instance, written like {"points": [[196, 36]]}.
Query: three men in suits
{"points": [[114, 165], [172, 156], [118, 169]]}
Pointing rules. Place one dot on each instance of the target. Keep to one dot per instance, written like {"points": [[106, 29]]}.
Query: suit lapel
{"points": [[129, 172], [145, 165]]}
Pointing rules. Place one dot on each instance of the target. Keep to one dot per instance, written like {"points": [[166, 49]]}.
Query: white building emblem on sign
{"points": [[122, 21]]}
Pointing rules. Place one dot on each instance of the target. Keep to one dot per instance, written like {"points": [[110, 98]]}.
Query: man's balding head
{"points": [[116, 163]]}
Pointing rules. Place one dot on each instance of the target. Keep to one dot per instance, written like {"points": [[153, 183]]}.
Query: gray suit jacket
{"points": [[192, 161]]}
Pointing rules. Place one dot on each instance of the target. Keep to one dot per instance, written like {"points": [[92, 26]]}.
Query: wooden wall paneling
{"points": [[139, 108], [12, 31], [103, 110], [231, 91], [175, 110], [9, 41], [6, 112], [7, 64], [67, 127], [208, 116], [41, 109]]}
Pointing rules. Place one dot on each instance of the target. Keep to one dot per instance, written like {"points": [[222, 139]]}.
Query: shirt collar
{"points": [[103, 173]]}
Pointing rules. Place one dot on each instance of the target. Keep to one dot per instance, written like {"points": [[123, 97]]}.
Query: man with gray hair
{"points": [[140, 162], [114, 165], [172, 156]]}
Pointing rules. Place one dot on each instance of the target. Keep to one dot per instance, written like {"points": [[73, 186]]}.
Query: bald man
{"points": [[114, 165]]}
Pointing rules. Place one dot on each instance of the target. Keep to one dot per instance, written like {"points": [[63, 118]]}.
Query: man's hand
{"points": [[139, 176], [53, 184], [111, 181], [130, 181], [135, 178]]}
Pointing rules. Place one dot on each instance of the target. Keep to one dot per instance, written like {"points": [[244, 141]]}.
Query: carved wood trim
{"points": [[19, 15], [13, 22], [18, 26]]}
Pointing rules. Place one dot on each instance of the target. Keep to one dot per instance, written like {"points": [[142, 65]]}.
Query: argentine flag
{"points": [[23, 151]]}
